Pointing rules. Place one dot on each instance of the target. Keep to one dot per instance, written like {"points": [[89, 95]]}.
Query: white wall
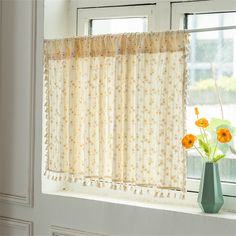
{"points": [[24, 209], [56, 18]]}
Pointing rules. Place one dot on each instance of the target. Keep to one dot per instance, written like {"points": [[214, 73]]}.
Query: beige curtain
{"points": [[115, 108]]}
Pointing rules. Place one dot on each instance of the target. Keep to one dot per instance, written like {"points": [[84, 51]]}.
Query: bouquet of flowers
{"points": [[214, 140]]}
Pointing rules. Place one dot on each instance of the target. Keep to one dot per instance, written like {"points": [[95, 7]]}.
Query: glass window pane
{"points": [[212, 58], [210, 20], [116, 26]]}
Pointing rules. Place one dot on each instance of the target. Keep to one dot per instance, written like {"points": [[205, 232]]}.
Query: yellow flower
{"points": [[196, 111], [188, 140], [224, 135], [203, 123]]}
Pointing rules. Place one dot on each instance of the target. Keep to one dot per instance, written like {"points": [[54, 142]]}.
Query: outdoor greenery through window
{"points": [[212, 61]]}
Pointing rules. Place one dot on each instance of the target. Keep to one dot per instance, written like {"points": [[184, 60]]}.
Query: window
{"points": [[212, 57], [212, 54], [115, 26], [212, 24], [116, 19]]}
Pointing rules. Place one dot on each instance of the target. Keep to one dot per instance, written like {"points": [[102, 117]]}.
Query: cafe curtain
{"points": [[115, 111]]}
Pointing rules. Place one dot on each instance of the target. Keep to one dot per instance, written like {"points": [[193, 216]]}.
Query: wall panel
{"points": [[16, 100], [15, 227]]}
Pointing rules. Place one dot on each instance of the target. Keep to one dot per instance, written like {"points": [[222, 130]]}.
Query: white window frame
{"points": [[178, 13], [84, 16], [162, 15], [179, 9]]}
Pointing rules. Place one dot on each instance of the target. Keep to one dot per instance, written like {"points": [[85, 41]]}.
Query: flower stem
{"points": [[205, 136], [199, 152], [217, 89], [214, 150]]}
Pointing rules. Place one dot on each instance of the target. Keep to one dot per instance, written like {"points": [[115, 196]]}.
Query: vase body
{"points": [[210, 197]]}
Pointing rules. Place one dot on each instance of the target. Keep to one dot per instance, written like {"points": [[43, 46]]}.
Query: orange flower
{"points": [[196, 111], [224, 135], [188, 140], [203, 123]]}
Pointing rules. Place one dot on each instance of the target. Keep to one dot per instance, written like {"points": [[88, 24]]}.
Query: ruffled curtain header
{"points": [[112, 45]]}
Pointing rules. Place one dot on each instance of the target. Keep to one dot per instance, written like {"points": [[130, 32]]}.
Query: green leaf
{"points": [[233, 150], [205, 147], [218, 157], [214, 123], [224, 147], [200, 136], [229, 127]]}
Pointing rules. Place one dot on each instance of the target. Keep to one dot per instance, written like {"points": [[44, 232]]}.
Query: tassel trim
{"points": [[120, 186]]}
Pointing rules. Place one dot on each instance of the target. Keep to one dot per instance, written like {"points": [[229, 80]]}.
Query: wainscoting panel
{"points": [[17, 76], [61, 231], [15, 227]]}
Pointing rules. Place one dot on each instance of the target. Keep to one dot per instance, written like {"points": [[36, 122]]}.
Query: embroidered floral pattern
{"points": [[115, 109]]}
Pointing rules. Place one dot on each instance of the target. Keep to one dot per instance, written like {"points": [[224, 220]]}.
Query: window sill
{"points": [[187, 206]]}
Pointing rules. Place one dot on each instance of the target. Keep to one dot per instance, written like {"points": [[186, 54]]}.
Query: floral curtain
{"points": [[115, 110]]}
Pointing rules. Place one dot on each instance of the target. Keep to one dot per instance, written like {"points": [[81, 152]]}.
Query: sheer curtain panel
{"points": [[115, 111]]}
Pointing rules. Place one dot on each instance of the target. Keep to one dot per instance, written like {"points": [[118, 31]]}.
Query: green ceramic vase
{"points": [[210, 197]]}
